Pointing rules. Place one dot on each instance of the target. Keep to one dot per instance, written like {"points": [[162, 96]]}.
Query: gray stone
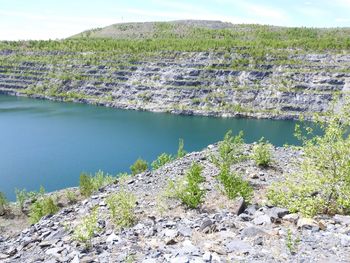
{"points": [[307, 223], [293, 218], [341, 219], [262, 220], [238, 246], [207, 256], [149, 260], [180, 259], [185, 231], [253, 232], [111, 238], [240, 205]]}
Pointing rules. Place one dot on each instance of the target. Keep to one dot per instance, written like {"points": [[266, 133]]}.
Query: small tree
{"points": [[262, 154], [323, 183], [45, 205], [139, 166], [3, 203], [187, 189], [162, 159], [121, 206], [180, 151], [230, 150]]}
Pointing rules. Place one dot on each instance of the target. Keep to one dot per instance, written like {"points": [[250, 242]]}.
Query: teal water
{"points": [[49, 143]]}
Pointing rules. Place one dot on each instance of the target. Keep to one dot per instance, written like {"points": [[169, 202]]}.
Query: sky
{"points": [[49, 19]]}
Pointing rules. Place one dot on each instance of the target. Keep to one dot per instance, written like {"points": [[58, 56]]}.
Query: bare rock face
{"points": [[200, 83]]}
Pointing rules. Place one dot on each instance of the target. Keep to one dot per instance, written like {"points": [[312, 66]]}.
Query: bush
{"points": [[262, 154], [22, 196], [187, 189], [88, 183], [180, 151], [122, 206], [85, 185], [230, 150], [86, 230], [234, 185], [323, 183], [161, 160], [3, 203], [45, 205], [71, 196], [139, 166]]}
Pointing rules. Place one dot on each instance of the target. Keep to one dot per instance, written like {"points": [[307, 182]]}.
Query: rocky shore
{"points": [[165, 231]]}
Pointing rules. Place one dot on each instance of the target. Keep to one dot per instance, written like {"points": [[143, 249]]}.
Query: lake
{"points": [[50, 143]]}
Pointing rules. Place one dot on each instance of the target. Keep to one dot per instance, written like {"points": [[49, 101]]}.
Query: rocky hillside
{"points": [[165, 231], [189, 67], [152, 29]]}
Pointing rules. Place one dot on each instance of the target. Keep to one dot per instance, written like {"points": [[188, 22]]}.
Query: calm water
{"points": [[50, 143]]}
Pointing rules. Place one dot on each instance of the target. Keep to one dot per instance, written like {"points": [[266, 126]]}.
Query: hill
{"points": [[152, 29], [189, 67]]}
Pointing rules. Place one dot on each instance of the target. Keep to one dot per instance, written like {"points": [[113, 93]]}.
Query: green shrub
{"points": [[230, 150], [323, 183], [23, 195], [187, 189], [101, 179], [88, 183], [71, 196], [86, 230], [122, 206], [85, 185], [139, 166], [262, 154], [233, 185], [3, 203], [43, 206], [161, 160], [180, 151]]}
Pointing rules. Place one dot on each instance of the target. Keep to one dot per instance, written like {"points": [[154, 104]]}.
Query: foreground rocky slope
{"points": [[220, 231]]}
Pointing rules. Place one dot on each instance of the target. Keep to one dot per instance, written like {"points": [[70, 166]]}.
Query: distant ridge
{"points": [[151, 29], [200, 28]]}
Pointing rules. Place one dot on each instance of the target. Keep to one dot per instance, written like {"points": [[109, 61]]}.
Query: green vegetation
{"points": [[231, 152], [187, 189], [122, 206], [139, 166], [23, 195], [89, 183], [44, 205], [262, 154], [71, 196], [165, 158], [3, 203], [323, 183], [181, 151], [292, 243], [86, 230], [200, 39], [162, 159], [233, 185]]}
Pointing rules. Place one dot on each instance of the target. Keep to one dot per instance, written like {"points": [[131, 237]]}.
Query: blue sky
{"points": [[48, 19]]}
